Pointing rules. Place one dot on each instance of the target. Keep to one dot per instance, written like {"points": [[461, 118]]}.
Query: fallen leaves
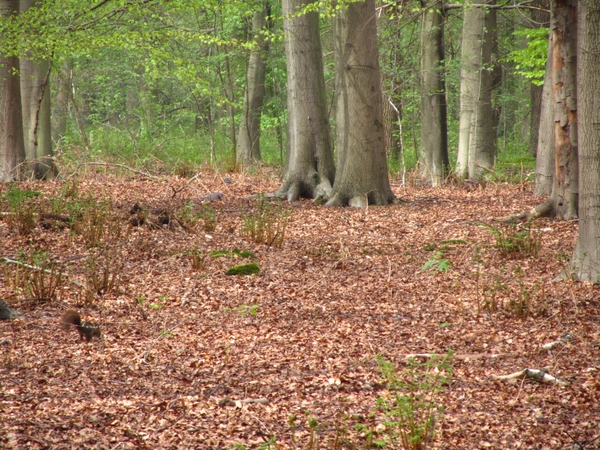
{"points": [[301, 337]]}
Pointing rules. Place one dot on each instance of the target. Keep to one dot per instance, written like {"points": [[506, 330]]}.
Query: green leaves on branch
{"points": [[531, 61]]}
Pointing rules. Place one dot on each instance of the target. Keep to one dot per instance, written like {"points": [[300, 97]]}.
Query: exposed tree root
{"points": [[545, 209]]}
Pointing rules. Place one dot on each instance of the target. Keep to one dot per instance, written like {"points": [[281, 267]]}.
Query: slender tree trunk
{"points": [[541, 18], [433, 160], [35, 103], [60, 105], [310, 168], [544, 164], [476, 136], [362, 176], [12, 146], [248, 143], [585, 263]]}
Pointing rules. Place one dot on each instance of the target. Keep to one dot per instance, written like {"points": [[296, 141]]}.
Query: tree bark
{"points": [[433, 157], [248, 142], [563, 201], [476, 137], [60, 105], [544, 164], [35, 104], [564, 62], [541, 18], [585, 263], [362, 176], [12, 146], [310, 169]]}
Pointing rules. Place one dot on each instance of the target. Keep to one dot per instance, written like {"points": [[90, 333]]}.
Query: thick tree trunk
{"points": [[12, 146], [585, 263], [565, 192], [35, 103], [433, 157], [362, 176], [563, 201], [248, 143], [476, 137], [544, 164], [310, 168]]}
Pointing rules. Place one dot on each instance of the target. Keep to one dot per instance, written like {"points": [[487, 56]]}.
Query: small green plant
{"points": [[247, 310], [104, 271], [437, 262], [36, 275], [410, 406], [267, 225], [197, 258], [513, 241], [95, 222], [21, 209], [161, 302], [208, 217]]}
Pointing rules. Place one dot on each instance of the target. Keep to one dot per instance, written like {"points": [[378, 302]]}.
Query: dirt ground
{"points": [[193, 358]]}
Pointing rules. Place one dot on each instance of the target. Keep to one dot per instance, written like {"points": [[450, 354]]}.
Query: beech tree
{"points": [[310, 168], [35, 105], [564, 197], [585, 262], [433, 156], [362, 174], [248, 141], [476, 138], [12, 146]]}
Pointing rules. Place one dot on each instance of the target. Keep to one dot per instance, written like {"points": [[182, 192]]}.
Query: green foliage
{"points": [[247, 310], [244, 269], [410, 407], [95, 221], [531, 61], [36, 276], [437, 262], [104, 271], [514, 241], [266, 225], [21, 209]]}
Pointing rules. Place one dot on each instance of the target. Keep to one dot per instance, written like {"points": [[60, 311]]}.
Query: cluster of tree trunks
{"points": [[25, 132]]}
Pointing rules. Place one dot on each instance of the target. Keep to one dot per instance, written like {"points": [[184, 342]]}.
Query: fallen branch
{"points": [[564, 339], [465, 357], [29, 266], [238, 403], [536, 374], [121, 166]]}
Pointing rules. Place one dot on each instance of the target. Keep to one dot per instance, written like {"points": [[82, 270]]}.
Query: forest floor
{"points": [[194, 358]]}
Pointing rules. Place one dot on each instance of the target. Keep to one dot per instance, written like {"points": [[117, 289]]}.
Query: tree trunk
{"points": [[585, 263], [35, 104], [12, 146], [310, 168], [540, 18], [433, 160], [248, 143], [60, 105], [362, 176], [544, 164], [476, 135], [564, 69], [563, 201]]}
